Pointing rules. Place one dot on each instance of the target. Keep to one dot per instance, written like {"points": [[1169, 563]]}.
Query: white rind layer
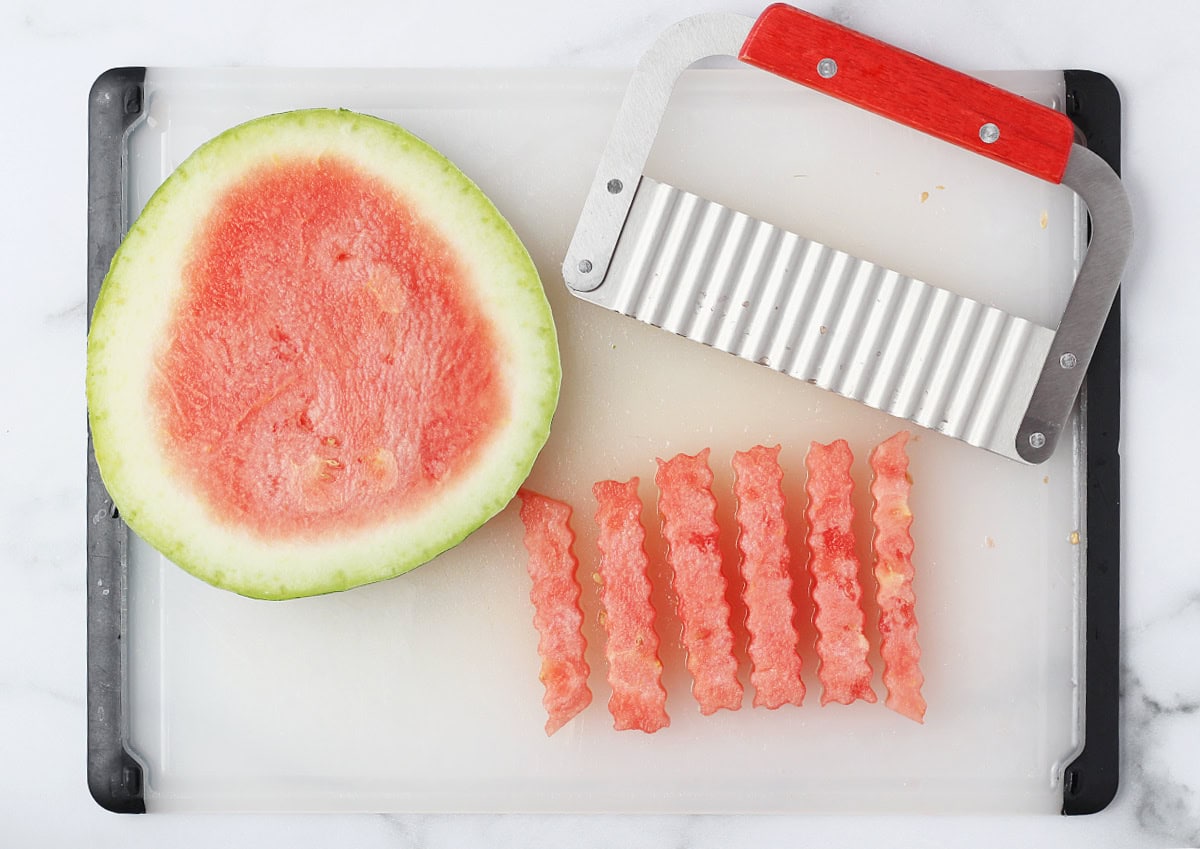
{"points": [[137, 302]]}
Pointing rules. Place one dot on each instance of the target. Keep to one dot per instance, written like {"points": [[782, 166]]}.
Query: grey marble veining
{"points": [[52, 52], [1161, 705]]}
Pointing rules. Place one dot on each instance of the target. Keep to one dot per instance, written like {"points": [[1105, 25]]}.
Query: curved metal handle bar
{"points": [[1092, 297], [620, 172], [641, 112]]}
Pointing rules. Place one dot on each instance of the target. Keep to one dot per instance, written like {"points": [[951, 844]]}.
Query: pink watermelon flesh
{"points": [[327, 367], [842, 647], [689, 525], [765, 565], [893, 548], [634, 669], [555, 595]]}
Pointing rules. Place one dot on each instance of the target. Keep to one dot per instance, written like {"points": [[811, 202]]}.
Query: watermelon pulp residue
{"points": [[631, 646], [688, 511], [557, 617], [893, 548], [326, 365], [833, 561], [765, 564]]}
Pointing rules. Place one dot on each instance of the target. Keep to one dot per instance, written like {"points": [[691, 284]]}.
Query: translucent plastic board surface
{"points": [[421, 693]]}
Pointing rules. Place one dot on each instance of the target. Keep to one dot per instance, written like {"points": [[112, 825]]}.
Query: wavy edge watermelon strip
{"points": [[893, 547], [638, 698], [687, 511], [555, 594], [842, 647], [765, 564]]}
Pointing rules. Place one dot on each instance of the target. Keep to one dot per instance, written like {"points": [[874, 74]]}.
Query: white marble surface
{"points": [[51, 51]]}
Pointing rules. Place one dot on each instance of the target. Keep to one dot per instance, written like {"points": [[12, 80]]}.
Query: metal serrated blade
{"points": [[943, 361], [717, 276]]}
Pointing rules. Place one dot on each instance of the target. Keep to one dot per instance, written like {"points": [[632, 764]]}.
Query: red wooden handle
{"points": [[913, 91]]}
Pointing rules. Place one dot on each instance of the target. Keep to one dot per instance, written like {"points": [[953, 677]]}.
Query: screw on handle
{"points": [[913, 91]]}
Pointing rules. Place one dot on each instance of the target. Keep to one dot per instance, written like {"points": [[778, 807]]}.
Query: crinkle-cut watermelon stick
{"points": [[842, 647], [893, 548], [556, 614], [765, 566], [688, 511], [634, 670]]}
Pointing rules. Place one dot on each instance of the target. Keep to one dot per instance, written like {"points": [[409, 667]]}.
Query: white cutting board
{"points": [[421, 693]]}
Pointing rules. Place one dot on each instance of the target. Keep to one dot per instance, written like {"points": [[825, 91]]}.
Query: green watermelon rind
{"points": [[136, 301]]}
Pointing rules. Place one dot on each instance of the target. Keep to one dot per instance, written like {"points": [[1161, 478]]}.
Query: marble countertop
{"points": [[51, 52]]}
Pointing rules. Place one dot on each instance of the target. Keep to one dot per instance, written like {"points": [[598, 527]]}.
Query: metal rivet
{"points": [[615, 186], [827, 68], [1037, 439], [585, 265], [1068, 360], [989, 133]]}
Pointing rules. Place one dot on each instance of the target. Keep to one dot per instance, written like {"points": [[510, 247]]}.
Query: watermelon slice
{"points": [[556, 614], [765, 566], [837, 595], [319, 358], [893, 548], [634, 670], [688, 512]]}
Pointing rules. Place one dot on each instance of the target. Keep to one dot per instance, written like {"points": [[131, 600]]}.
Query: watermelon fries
{"points": [[774, 564]]}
